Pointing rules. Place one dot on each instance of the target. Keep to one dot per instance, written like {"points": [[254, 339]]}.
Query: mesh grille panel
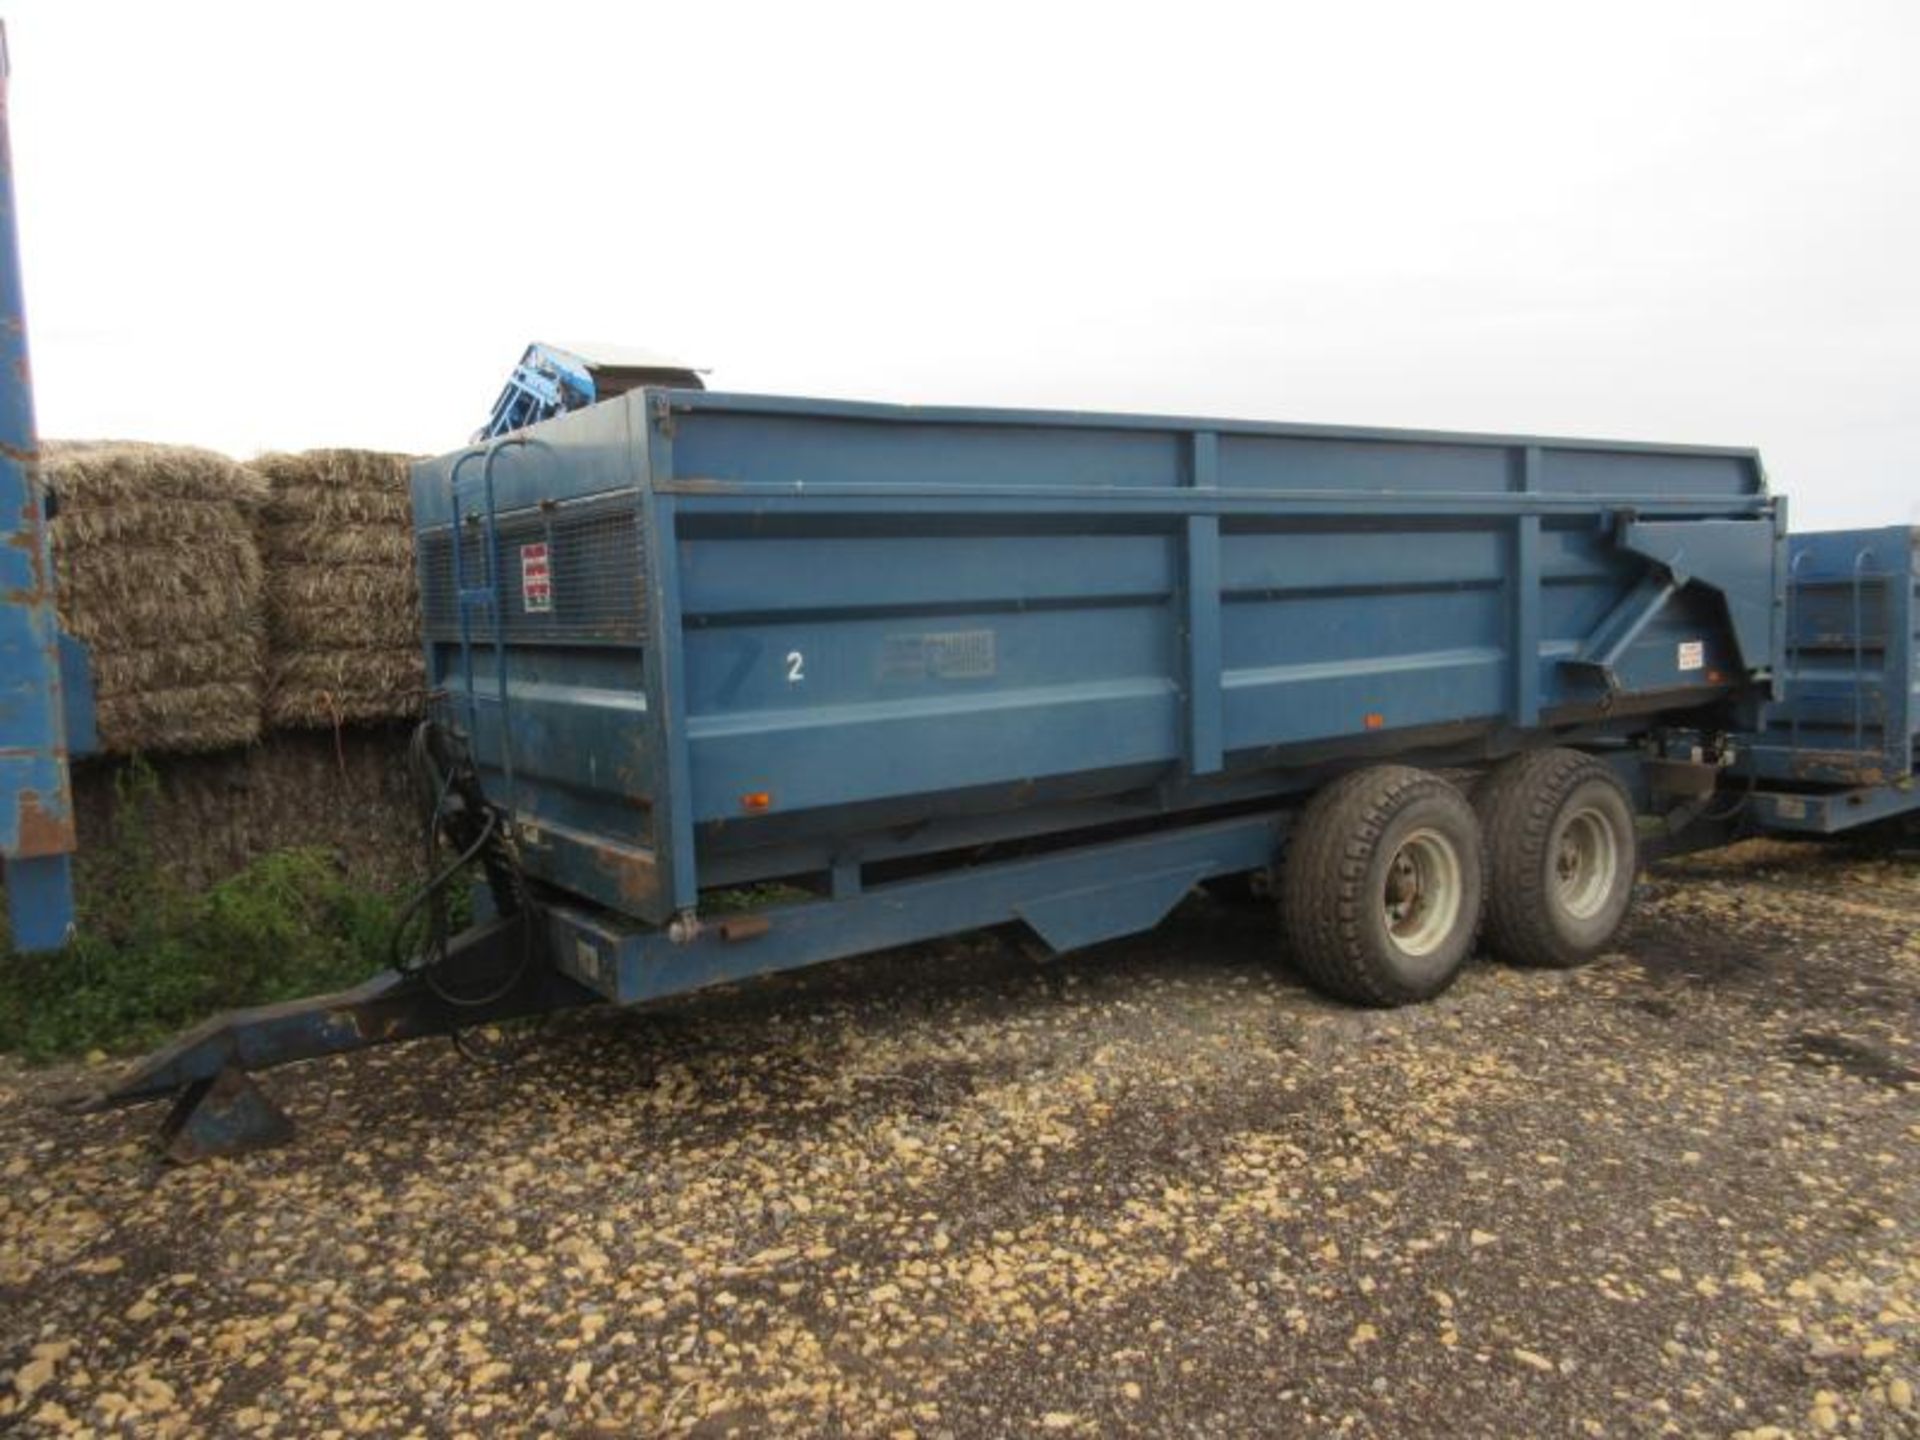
{"points": [[572, 572]]}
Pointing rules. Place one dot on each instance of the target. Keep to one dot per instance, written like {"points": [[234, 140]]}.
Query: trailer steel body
{"points": [[702, 640]]}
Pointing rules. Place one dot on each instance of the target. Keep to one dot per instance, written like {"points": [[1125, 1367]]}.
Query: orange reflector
{"points": [[756, 800], [1376, 721]]}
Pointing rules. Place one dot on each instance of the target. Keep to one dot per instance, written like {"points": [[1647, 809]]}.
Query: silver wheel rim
{"points": [[1421, 899], [1586, 864]]}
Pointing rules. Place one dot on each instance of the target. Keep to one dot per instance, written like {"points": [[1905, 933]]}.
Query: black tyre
{"points": [[1561, 857], [1381, 888]]}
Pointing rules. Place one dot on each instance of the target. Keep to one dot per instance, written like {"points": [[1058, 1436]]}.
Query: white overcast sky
{"points": [[271, 225]]}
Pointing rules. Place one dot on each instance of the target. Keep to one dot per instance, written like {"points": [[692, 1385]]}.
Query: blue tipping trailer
{"points": [[700, 641], [728, 684]]}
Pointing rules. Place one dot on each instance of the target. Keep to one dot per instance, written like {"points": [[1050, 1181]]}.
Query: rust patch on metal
{"points": [[742, 927], [40, 831], [27, 539], [1857, 767], [636, 879]]}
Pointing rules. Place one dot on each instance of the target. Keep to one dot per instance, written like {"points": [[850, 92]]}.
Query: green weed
{"points": [[150, 957], [154, 954]]}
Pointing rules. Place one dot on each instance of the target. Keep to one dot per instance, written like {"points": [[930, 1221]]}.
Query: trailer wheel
{"points": [[1381, 889], [1561, 857]]}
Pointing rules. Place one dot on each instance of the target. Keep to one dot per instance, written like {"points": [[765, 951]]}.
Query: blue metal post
{"points": [[1204, 660], [466, 596], [1527, 600], [673, 811], [496, 582], [36, 800]]}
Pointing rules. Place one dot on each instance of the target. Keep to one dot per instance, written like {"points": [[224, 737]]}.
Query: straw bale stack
{"points": [[206, 816], [342, 599], [159, 574]]}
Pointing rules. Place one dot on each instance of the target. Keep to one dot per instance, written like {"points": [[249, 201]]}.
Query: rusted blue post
{"points": [[36, 799]]}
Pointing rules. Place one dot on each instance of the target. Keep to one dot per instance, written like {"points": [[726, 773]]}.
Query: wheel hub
{"points": [[1421, 899], [1586, 863]]}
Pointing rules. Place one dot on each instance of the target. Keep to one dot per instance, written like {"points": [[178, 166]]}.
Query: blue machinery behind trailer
{"points": [[918, 671], [46, 710], [551, 380]]}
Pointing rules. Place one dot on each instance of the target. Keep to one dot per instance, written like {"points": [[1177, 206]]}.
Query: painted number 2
{"points": [[796, 667]]}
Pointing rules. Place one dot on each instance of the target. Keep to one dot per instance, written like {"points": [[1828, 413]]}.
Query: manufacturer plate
{"points": [[946, 655]]}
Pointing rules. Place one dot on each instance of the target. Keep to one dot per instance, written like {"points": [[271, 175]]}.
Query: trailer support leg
{"points": [[220, 1111], [227, 1114]]}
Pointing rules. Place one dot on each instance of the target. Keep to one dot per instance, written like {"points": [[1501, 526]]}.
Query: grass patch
{"points": [[743, 899], [151, 956], [288, 925]]}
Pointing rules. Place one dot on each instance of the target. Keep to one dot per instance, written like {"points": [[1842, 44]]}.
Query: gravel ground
{"points": [[1157, 1188]]}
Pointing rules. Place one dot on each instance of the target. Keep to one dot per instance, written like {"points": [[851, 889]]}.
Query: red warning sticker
{"points": [[536, 580]]}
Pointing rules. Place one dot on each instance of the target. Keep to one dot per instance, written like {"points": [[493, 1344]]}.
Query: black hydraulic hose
{"points": [[428, 894], [435, 779]]}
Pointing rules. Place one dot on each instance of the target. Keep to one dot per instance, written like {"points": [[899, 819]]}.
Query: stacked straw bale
{"points": [[342, 598], [158, 572], [206, 816]]}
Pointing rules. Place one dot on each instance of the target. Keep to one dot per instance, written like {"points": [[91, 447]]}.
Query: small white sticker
{"points": [[536, 580], [586, 958], [1693, 654]]}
